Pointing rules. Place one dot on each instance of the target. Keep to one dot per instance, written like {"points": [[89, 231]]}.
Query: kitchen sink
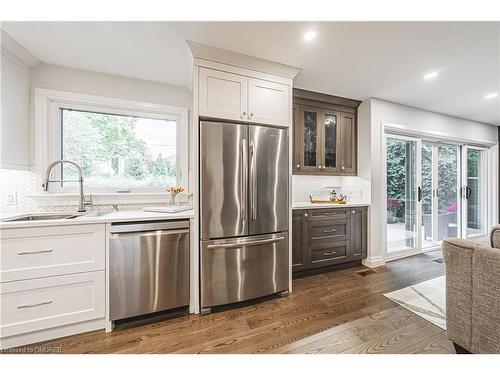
{"points": [[42, 217]]}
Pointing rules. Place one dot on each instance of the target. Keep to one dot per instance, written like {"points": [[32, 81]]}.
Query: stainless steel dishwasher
{"points": [[149, 267]]}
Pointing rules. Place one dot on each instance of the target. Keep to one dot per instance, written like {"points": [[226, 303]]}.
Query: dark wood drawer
{"points": [[328, 255], [328, 231], [319, 215]]}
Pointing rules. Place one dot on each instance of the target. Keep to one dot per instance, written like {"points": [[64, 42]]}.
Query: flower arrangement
{"points": [[174, 190], [452, 208], [393, 204]]}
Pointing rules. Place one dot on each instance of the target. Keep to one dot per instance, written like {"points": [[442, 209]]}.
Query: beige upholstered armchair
{"points": [[473, 293]]}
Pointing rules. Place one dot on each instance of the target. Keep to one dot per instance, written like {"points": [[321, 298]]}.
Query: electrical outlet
{"points": [[353, 193], [12, 199]]}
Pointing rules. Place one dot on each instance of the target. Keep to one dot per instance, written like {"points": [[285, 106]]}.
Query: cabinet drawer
{"points": [[32, 305], [51, 251], [328, 231], [318, 215], [328, 255]]}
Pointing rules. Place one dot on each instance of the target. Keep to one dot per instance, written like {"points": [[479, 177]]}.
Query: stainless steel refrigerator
{"points": [[244, 212]]}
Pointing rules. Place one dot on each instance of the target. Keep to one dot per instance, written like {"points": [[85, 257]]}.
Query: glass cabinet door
{"points": [[329, 162], [310, 118]]}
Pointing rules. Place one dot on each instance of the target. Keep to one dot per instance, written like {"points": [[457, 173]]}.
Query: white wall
{"points": [[373, 115], [65, 79]]}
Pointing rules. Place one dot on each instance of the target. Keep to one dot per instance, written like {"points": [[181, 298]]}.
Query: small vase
{"points": [[172, 199]]}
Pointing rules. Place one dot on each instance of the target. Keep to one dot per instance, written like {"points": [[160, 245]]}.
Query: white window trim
{"points": [[47, 104]]}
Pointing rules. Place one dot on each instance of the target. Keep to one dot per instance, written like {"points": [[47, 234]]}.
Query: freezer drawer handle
{"points": [[35, 252], [34, 305], [252, 243]]}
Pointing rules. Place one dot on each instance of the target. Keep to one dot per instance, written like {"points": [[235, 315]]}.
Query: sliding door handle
{"points": [[419, 194], [468, 192]]}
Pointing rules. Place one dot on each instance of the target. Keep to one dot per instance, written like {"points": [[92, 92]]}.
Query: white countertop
{"points": [[97, 217], [309, 205]]}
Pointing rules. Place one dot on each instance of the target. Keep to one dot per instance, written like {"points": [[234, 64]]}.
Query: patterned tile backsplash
{"points": [[21, 184], [356, 188]]}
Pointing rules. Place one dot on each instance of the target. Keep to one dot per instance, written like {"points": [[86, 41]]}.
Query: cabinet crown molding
{"points": [[218, 55], [325, 98]]}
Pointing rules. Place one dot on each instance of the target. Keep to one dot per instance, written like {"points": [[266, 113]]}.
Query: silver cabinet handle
{"points": [[329, 252], [329, 230], [250, 243], [251, 115], [343, 167], [353, 211], [253, 182], [298, 166], [306, 215], [242, 116], [35, 252], [244, 179], [34, 305]]}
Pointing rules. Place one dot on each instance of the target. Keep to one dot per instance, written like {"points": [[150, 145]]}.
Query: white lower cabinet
{"points": [[32, 305], [52, 282]]}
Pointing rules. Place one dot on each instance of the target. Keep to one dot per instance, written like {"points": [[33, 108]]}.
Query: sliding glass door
{"points": [[402, 193], [474, 191], [439, 192], [435, 190]]}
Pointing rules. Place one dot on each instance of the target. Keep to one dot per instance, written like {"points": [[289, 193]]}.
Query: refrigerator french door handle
{"points": [[253, 182], [244, 180], [242, 244]]}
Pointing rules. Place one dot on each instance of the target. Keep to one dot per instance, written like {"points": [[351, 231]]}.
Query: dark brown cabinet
{"points": [[299, 258], [325, 134], [327, 237]]}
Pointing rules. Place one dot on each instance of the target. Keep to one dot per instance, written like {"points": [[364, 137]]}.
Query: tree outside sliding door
{"points": [[475, 191]]}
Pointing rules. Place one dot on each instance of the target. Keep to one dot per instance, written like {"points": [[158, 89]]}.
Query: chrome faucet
{"points": [[45, 185]]}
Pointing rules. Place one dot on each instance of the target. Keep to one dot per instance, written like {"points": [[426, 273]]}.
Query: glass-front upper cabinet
{"points": [[324, 139], [307, 135], [329, 162]]}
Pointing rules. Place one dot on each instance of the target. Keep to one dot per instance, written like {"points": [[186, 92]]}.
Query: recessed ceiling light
{"points": [[310, 35], [491, 95], [430, 75]]}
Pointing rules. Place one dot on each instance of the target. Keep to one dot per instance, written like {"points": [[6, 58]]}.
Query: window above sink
{"points": [[121, 145]]}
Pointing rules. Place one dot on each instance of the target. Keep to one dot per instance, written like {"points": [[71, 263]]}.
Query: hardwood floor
{"points": [[337, 312]]}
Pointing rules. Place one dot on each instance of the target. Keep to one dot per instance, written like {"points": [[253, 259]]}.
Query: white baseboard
{"points": [[374, 262]]}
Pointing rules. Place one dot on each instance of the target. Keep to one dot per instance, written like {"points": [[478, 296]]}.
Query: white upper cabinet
{"points": [[223, 95], [231, 86], [268, 102], [237, 97]]}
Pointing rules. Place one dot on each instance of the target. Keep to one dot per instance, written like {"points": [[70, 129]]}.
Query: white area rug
{"points": [[427, 299]]}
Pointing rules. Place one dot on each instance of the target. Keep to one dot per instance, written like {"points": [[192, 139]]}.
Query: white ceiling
{"points": [[358, 60]]}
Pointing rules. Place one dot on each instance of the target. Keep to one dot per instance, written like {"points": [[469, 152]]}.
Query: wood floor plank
{"points": [[337, 312]]}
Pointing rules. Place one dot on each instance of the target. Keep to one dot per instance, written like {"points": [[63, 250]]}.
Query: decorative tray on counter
{"points": [[328, 201]]}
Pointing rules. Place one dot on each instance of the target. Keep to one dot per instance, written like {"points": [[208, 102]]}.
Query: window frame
{"points": [[48, 134]]}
